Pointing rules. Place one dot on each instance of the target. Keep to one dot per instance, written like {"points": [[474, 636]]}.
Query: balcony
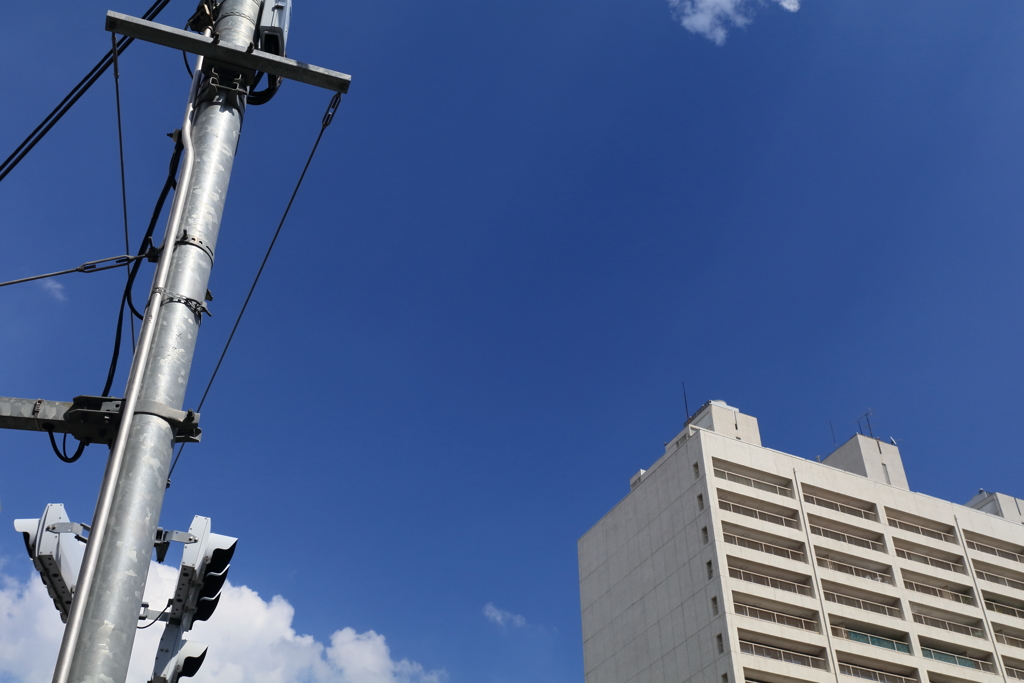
{"points": [[938, 592], [769, 548], [1004, 609], [923, 531], [847, 538], [840, 507], [873, 674], [1014, 673], [877, 641], [759, 484], [958, 660], [758, 514], [776, 617], [929, 560], [998, 552], [770, 581], [869, 574], [867, 605], [782, 655], [1009, 640], [1003, 580], [951, 626]]}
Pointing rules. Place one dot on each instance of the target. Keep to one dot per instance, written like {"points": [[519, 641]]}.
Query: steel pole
{"points": [[98, 644]]}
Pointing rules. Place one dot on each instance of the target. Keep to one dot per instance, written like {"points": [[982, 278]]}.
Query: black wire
{"points": [[64, 455], [71, 98], [147, 241], [156, 619], [332, 108], [124, 187]]}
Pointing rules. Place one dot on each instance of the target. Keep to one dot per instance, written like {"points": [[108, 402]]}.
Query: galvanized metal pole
{"points": [[101, 629]]}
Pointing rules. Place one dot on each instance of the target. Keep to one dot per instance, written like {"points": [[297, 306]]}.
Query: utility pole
{"points": [[100, 632], [105, 609]]}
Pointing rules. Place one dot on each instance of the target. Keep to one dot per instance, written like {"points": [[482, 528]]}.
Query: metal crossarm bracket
{"points": [[70, 528], [164, 539], [91, 419], [255, 60]]}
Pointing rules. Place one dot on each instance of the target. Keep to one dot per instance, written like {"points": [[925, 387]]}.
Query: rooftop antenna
{"points": [[867, 418], [835, 444], [686, 403]]}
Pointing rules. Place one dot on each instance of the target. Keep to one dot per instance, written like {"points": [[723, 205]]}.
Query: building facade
{"points": [[729, 562]]}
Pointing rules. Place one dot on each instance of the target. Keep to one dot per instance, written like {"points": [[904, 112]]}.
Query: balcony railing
{"points": [[1005, 554], [949, 625], [995, 578], [765, 547], [754, 483], [924, 531], [939, 592], [875, 607], [877, 641], [929, 560], [758, 514], [839, 507], [1005, 609], [1014, 673], [1009, 640], [847, 538], [770, 581], [959, 660], [776, 617], [782, 655], [873, 674], [855, 571]]}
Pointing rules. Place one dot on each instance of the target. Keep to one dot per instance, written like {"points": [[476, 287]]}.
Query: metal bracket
{"points": [[257, 60], [185, 239], [164, 539], [70, 528], [91, 419], [148, 614], [185, 423]]}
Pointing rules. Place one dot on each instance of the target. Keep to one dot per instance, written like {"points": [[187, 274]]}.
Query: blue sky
{"points": [[528, 224]]}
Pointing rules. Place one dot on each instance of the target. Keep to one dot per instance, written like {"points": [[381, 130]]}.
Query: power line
{"points": [[72, 97], [332, 109], [124, 188]]}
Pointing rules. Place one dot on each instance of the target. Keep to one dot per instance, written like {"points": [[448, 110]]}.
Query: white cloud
{"points": [[55, 289], [503, 618], [712, 18], [251, 641]]}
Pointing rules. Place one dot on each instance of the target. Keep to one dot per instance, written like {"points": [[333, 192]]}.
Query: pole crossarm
{"points": [[91, 419], [255, 60]]}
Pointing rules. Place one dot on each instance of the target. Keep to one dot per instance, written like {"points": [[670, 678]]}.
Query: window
{"points": [[700, 501], [714, 605], [704, 534], [720, 643], [696, 470], [711, 570]]}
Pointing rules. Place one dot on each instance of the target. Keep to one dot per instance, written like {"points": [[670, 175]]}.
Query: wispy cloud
{"points": [[503, 618], [55, 289], [713, 18], [250, 639]]}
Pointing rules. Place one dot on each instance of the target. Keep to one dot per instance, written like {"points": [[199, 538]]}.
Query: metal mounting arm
{"points": [[255, 60]]}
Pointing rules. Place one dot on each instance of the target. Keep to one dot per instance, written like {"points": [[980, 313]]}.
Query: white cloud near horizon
{"points": [[713, 18], [251, 640], [503, 618], [54, 289]]}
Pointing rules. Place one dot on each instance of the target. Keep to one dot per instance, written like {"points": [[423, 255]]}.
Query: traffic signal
{"points": [[56, 548], [204, 569]]}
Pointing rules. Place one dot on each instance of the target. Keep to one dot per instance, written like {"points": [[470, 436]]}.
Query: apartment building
{"points": [[729, 562]]}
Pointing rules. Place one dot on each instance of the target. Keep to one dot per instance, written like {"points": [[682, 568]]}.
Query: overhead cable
{"points": [[124, 187], [72, 97]]}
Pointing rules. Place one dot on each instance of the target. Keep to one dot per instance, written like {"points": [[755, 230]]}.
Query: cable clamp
{"points": [[185, 423], [195, 242], [197, 307]]}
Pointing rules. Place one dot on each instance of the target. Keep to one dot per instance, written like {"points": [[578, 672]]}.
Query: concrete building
{"points": [[729, 562]]}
